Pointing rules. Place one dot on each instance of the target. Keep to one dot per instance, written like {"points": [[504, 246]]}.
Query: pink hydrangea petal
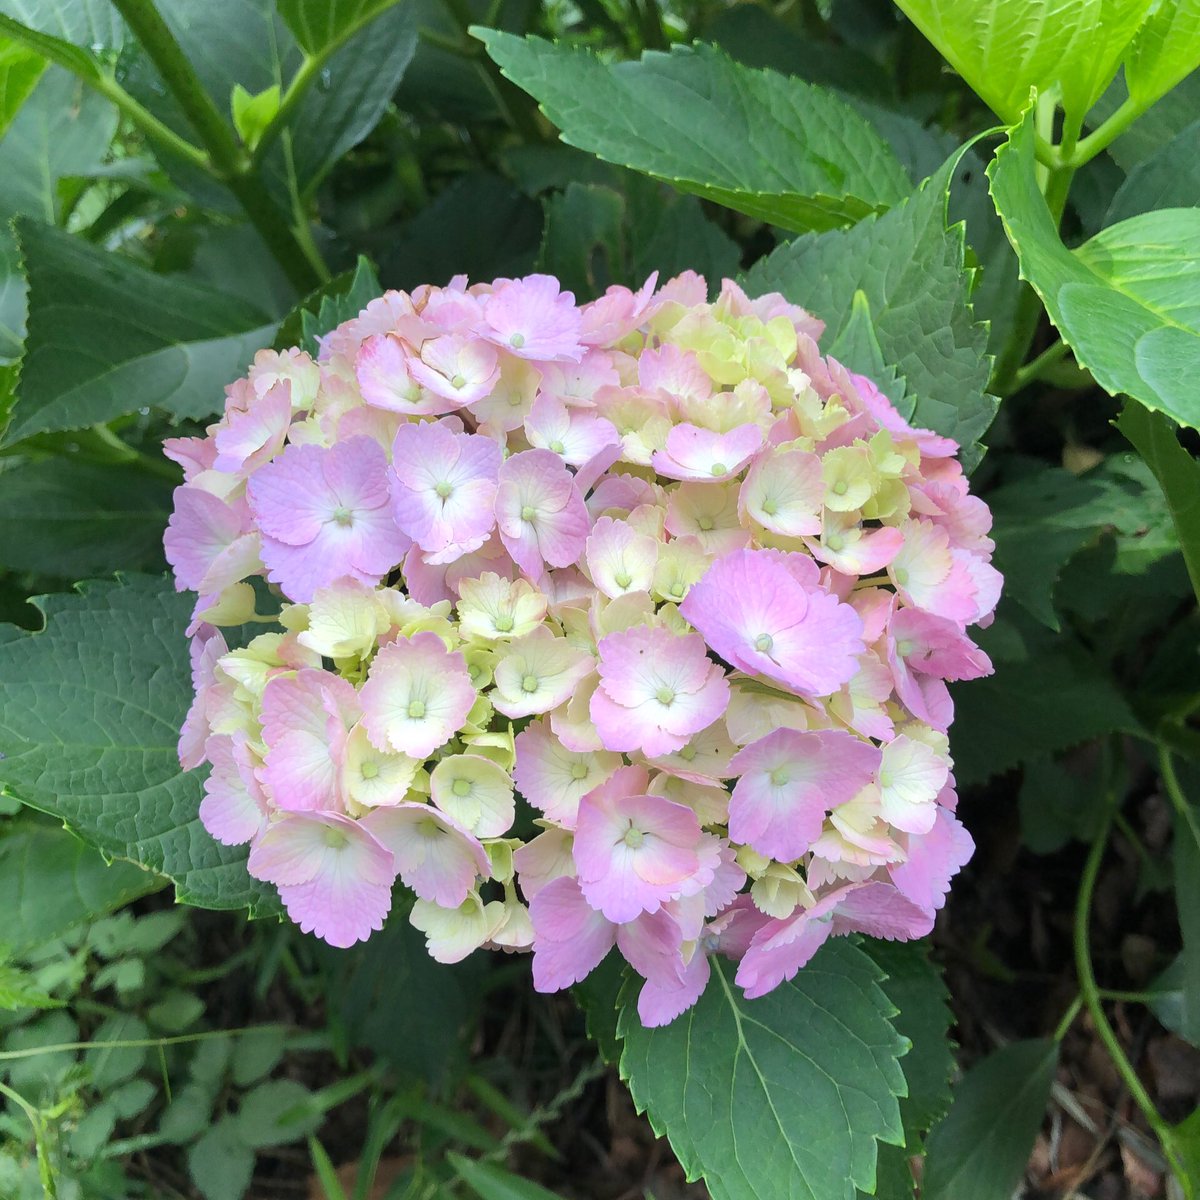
{"points": [[570, 937]]}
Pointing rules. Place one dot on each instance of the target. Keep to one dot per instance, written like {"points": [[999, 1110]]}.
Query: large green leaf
{"points": [[1166, 49], [20, 69], [1127, 301], [316, 24], [90, 712], [108, 337], [981, 1148], [74, 519], [62, 129], [51, 881], [766, 144], [1002, 48], [909, 267], [1168, 178], [93, 24], [781, 1097], [1178, 474]]}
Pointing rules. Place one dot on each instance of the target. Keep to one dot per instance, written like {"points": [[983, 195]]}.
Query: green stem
{"points": [[132, 1043], [128, 456], [1033, 370], [1130, 997], [230, 162], [1175, 792], [1104, 134], [1068, 1019], [45, 1166], [1093, 1000]]}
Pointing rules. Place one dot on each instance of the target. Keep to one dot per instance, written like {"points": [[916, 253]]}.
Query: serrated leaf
{"points": [[63, 128], [19, 989], [1167, 48], [1056, 697], [107, 337], [72, 519], [316, 24], [909, 267], [781, 1097], [90, 712], [1127, 302], [1167, 178], [490, 1182], [981, 1148], [1178, 474], [50, 881], [766, 144], [338, 301], [1002, 50]]}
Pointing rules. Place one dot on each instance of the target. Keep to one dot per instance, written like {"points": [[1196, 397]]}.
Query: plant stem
{"points": [[1105, 134], [1023, 376], [229, 161], [1068, 1019], [1093, 1001], [1175, 792]]}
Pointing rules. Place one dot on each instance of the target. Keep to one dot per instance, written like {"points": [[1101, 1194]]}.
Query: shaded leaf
{"points": [[490, 1182], [90, 712], [1127, 301], [342, 299], [262, 1114], [1168, 178], [981, 1148], [220, 1164], [51, 881], [765, 144], [19, 989], [20, 70], [783, 1096], [317, 24], [107, 337], [909, 267]]}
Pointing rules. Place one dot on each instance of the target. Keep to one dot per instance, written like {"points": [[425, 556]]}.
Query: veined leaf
{"points": [[51, 881], [92, 24], [317, 23], [1167, 178], [90, 712], [490, 1182], [981, 1148], [1127, 302], [780, 1098], [1167, 48], [1003, 49], [765, 144], [909, 268], [343, 297], [20, 69], [108, 337]]}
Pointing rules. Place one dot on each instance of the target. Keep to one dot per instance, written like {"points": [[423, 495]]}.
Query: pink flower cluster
{"points": [[624, 624]]}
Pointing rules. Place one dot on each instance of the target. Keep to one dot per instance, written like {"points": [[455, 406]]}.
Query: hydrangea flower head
{"points": [[625, 624]]}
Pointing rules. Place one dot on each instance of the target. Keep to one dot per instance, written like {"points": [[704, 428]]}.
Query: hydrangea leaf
{"points": [[51, 881], [1167, 178], [20, 70], [766, 144], [780, 1098], [93, 24], [63, 128], [1003, 49], [70, 519], [1178, 474], [981, 1148], [909, 268], [90, 711], [106, 337], [1125, 301], [1167, 48], [342, 298], [318, 24]]}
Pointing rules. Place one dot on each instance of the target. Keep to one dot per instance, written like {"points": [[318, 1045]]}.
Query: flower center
{"points": [[369, 770], [579, 771], [779, 777], [834, 542], [335, 839], [688, 753], [764, 642], [444, 490], [622, 579], [529, 683], [517, 341], [528, 512], [634, 838], [503, 623], [461, 787], [904, 647], [664, 695], [901, 575], [770, 507], [428, 827], [458, 382], [705, 523], [557, 446], [719, 469], [416, 709], [841, 488], [342, 515]]}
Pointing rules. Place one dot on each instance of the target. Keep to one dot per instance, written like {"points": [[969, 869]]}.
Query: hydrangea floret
{"points": [[625, 624]]}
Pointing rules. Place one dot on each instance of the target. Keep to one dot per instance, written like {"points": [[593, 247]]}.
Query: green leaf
{"points": [[90, 712], [253, 113], [1054, 696], [1126, 301], [780, 1097], [20, 70], [1167, 48], [1167, 178], [599, 996], [1003, 49], [261, 1114], [1176, 1000], [220, 1163], [1185, 854], [490, 1182], [107, 337], [258, 1052], [94, 24], [582, 240], [72, 519], [110, 1065], [50, 882], [1057, 805], [64, 128], [909, 267], [319, 23], [19, 989], [342, 299], [1178, 474], [765, 144], [981, 1148]]}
